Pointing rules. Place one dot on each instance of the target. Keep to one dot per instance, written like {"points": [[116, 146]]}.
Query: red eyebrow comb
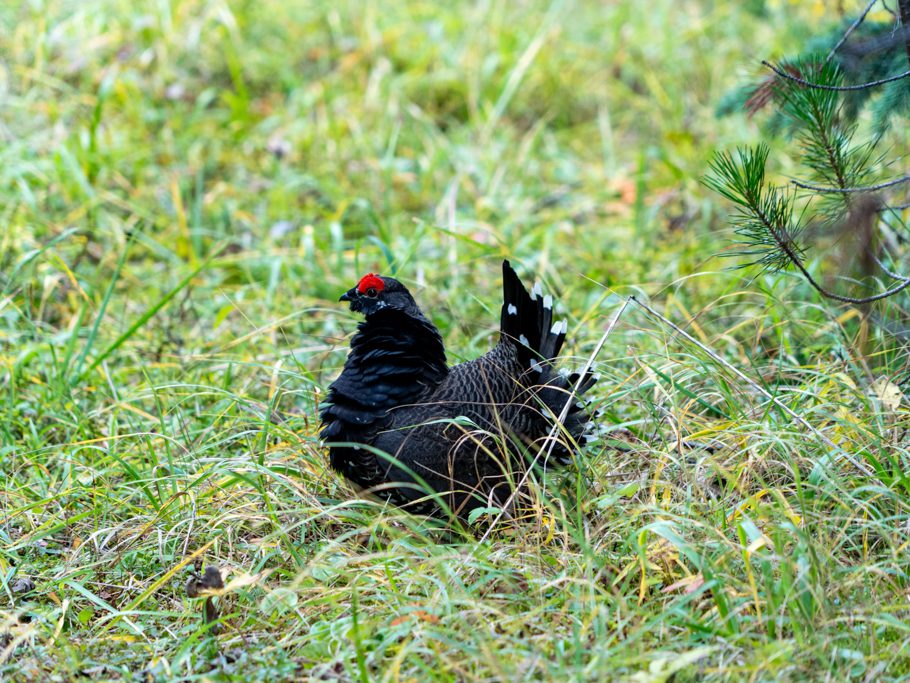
{"points": [[370, 281]]}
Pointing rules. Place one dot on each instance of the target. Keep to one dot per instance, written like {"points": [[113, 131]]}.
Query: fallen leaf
{"points": [[888, 393]]}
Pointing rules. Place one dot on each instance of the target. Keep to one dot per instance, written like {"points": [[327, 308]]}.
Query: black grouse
{"points": [[402, 424]]}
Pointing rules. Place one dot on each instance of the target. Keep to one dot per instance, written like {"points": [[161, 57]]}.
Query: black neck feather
{"points": [[395, 358]]}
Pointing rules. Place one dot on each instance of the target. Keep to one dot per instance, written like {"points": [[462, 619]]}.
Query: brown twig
{"points": [[851, 190], [840, 88]]}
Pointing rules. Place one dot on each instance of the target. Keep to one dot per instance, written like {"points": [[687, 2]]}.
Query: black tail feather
{"points": [[527, 321]]}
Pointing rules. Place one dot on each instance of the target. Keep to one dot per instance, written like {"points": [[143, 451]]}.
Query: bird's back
{"points": [[464, 437]]}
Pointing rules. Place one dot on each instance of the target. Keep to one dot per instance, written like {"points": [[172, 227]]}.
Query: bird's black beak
{"points": [[349, 295]]}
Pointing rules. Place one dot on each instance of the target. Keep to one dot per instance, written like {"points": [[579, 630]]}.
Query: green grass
{"points": [[185, 190]]}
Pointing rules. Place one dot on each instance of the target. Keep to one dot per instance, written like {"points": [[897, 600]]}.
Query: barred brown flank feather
{"points": [[402, 425]]}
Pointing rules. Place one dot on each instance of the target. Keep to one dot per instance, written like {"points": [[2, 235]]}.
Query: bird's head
{"points": [[374, 293]]}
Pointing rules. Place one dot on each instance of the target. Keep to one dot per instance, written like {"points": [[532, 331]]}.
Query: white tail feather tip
{"points": [[536, 291]]}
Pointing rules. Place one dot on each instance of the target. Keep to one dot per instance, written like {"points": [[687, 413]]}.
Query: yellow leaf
{"points": [[888, 393]]}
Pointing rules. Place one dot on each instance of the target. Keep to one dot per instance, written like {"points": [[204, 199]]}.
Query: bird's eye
{"points": [[371, 292]]}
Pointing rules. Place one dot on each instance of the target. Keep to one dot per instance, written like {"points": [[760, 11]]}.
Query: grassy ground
{"points": [[187, 186]]}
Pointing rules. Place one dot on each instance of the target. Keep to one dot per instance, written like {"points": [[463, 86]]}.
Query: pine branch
{"points": [[835, 88], [859, 20], [847, 190], [821, 132], [742, 181], [823, 114], [795, 260], [890, 273]]}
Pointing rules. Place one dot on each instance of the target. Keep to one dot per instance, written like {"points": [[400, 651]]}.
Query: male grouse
{"points": [[402, 424]]}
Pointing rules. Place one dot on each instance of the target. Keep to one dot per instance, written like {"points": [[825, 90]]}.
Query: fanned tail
{"points": [[526, 321]]}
